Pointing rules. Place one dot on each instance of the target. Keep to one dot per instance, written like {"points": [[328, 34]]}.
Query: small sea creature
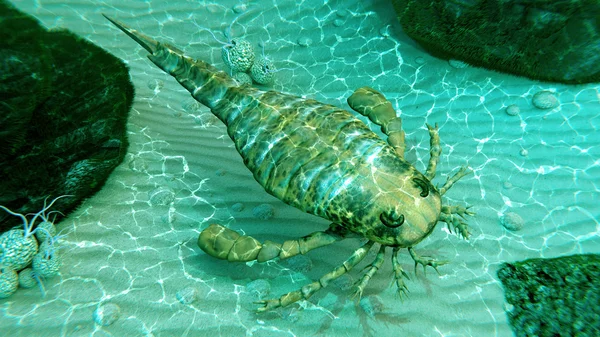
{"points": [[262, 71], [18, 246], [323, 160], [238, 54]]}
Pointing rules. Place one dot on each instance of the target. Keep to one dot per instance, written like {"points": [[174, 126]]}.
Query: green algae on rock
{"points": [[63, 117], [556, 41], [553, 297]]}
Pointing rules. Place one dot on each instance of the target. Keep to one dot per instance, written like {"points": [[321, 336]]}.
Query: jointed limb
{"points": [[399, 274], [308, 290], [452, 215], [371, 270], [226, 244], [456, 177], [435, 150]]}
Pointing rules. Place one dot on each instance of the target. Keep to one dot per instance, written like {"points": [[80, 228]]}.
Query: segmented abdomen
{"points": [[301, 151]]}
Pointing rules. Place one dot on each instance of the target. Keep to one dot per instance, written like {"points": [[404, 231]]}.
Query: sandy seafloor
{"points": [[134, 243]]}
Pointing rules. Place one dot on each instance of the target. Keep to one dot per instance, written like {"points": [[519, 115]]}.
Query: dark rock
{"points": [[545, 40], [553, 297], [63, 112]]}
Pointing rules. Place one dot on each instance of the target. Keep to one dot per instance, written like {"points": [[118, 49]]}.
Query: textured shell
{"points": [[262, 71], [242, 78], [239, 56], [46, 266], [16, 250], [8, 281]]}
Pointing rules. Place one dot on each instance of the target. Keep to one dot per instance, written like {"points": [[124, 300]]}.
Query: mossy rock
{"points": [[63, 117], [553, 297], [555, 41]]}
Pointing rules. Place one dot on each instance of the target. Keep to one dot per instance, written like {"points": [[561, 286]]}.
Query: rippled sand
{"points": [[134, 243]]}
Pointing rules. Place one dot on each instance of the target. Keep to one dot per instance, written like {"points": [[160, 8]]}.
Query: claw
{"points": [[263, 306], [402, 288], [426, 261], [449, 216], [267, 305], [399, 275], [462, 211], [403, 292], [357, 293]]}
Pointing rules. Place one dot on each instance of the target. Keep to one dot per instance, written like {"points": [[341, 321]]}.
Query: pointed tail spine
{"points": [[206, 83]]}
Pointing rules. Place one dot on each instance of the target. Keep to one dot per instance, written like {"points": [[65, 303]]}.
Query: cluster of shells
{"points": [[28, 256], [246, 68]]}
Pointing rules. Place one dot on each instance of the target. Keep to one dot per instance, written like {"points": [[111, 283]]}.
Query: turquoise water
{"points": [[134, 243]]}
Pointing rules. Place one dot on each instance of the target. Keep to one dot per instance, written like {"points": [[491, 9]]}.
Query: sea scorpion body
{"points": [[323, 160]]}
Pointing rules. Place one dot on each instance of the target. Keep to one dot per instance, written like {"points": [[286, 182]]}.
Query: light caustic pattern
{"points": [[134, 244]]}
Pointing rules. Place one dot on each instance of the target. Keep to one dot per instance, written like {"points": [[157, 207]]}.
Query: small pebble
{"points": [[220, 172], [385, 31], [138, 164], [524, 152], [512, 110], [507, 184], [191, 107], [420, 60], [342, 13], [304, 41], [213, 9], [263, 212], [512, 221], [161, 196], [457, 64], [187, 295], [259, 288], [169, 218], [545, 100], [338, 22], [106, 314], [238, 207], [155, 85], [240, 8]]}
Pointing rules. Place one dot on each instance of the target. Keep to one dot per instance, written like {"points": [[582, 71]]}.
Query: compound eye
{"points": [[422, 185], [392, 219]]}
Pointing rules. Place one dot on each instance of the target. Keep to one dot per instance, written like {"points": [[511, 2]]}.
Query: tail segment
{"points": [[206, 83], [148, 43]]}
